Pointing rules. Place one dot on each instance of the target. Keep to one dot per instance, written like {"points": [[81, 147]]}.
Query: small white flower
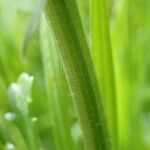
{"points": [[15, 88], [26, 77]]}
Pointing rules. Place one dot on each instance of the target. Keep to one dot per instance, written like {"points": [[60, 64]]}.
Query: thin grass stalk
{"points": [[119, 28], [122, 43], [104, 64], [56, 90]]}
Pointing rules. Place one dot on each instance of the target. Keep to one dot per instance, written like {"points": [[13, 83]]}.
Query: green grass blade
{"points": [[121, 46], [129, 38], [64, 19], [58, 97], [34, 22], [103, 60]]}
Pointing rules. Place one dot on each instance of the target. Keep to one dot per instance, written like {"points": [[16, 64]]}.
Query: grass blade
{"points": [[103, 60], [64, 19], [33, 24], [58, 98]]}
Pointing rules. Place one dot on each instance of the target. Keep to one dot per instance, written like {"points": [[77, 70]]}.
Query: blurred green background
{"points": [[27, 47]]}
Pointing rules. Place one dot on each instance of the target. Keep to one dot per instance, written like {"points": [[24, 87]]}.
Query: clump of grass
{"points": [[90, 62]]}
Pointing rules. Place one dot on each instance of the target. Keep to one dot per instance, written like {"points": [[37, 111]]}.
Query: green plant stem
{"points": [[56, 90], [65, 21], [122, 45], [103, 60]]}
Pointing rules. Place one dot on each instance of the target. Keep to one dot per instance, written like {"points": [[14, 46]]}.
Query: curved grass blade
{"points": [[58, 98], [33, 24]]}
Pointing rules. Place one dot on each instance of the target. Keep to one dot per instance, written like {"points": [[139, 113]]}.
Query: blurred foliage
{"points": [[51, 111]]}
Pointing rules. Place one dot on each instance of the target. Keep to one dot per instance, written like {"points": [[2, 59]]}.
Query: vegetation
{"points": [[74, 75]]}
